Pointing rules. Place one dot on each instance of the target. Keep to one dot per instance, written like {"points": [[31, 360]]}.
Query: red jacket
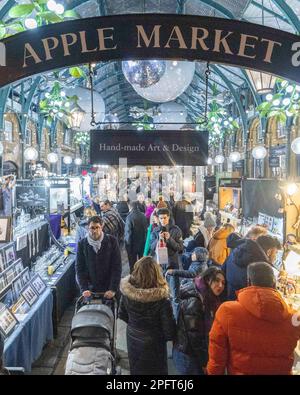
{"points": [[253, 335]]}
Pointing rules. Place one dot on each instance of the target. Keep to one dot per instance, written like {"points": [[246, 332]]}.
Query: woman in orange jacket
{"points": [[218, 250], [257, 334]]}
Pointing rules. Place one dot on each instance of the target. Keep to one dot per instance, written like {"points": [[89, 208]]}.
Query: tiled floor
{"points": [[54, 356]]}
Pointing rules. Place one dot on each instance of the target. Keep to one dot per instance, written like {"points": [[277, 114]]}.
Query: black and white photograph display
{"points": [[2, 261], [29, 294], [32, 199], [18, 266], [2, 283], [9, 275], [38, 284], [5, 229], [17, 287], [25, 276], [10, 255], [7, 321]]}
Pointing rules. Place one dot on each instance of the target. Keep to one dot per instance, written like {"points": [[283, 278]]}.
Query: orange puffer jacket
{"points": [[256, 334], [218, 250]]}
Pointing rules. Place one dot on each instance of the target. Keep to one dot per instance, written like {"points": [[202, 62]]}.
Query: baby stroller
{"points": [[93, 337]]}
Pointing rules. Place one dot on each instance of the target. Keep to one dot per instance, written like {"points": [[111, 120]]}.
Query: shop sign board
{"points": [[150, 36], [239, 164], [155, 148], [274, 161]]}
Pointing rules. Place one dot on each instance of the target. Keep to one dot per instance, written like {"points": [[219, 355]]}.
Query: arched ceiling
{"points": [[119, 95]]}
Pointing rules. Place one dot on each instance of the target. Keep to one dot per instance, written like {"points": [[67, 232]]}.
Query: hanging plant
{"points": [[82, 138], [145, 123], [56, 104], [284, 103], [219, 124]]}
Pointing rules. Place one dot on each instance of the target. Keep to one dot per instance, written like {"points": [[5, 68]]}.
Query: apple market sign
{"points": [[150, 36]]}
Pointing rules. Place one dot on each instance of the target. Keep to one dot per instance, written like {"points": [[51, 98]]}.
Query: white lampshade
{"points": [[67, 160], [235, 156], [259, 152], [262, 82], [52, 157], [78, 161], [1, 148], [295, 146], [31, 153], [219, 159], [209, 161]]}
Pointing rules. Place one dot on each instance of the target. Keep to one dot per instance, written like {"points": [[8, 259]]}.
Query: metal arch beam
{"points": [[180, 6], [6, 8], [289, 13], [234, 94], [218, 7], [4, 93], [26, 105], [265, 9]]}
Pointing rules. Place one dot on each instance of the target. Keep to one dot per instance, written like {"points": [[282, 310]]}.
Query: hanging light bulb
{"points": [[219, 159], [209, 161], [30, 23], [31, 153], [259, 152], [269, 97], [291, 189], [59, 9], [78, 161], [235, 156], [52, 157], [51, 5], [67, 160], [286, 101], [295, 146]]}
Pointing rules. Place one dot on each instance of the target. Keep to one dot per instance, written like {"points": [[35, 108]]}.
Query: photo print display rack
{"points": [[8, 321]]}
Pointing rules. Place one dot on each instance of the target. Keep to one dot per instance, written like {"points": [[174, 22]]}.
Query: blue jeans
{"points": [[186, 364]]}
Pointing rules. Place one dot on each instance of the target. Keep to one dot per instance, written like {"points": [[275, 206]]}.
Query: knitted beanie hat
{"points": [[209, 220]]}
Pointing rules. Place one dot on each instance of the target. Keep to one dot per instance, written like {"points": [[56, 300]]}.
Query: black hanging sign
{"points": [[150, 36], [154, 148]]}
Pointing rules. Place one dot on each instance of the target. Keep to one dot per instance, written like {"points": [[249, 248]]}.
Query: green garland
{"points": [[82, 138]]}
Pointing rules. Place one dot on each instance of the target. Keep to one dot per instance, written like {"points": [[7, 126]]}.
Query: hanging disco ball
{"points": [[143, 73], [173, 83]]}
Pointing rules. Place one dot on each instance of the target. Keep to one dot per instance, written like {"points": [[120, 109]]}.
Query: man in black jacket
{"points": [[172, 236], [135, 234], [98, 263]]}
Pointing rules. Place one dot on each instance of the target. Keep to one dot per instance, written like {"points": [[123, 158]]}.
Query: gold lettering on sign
{"points": [[31, 54], [47, 48], [84, 47], [244, 45], [179, 38], [296, 56], [200, 40], [223, 41], [66, 44], [270, 48], [102, 38], [142, 34]]}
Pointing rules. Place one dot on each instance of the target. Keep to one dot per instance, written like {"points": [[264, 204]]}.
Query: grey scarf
{"points": [[96, 244]]}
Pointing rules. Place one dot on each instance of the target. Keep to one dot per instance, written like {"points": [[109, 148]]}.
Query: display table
{"points": [[25, 344], [64, 288], [55, 223]]}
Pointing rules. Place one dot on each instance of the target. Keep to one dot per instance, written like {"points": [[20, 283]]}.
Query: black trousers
{"points": [[133, 256]]}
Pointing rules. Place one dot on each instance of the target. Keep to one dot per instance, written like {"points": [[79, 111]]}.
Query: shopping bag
{"points": [[162, 254]]}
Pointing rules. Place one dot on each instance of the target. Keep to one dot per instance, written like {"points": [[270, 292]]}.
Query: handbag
{"points": [[162, 253]]}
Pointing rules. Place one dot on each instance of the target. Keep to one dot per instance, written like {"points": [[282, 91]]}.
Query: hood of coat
{"points": [[263, 303], [248, 252], [143, 295], [222, 233], [234, 240]]}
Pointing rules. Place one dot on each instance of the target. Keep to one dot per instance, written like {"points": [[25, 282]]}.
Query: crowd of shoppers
{"points": [[222, 313]]}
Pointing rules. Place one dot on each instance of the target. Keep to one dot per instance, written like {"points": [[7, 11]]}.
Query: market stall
{"points": [[229, 200]]}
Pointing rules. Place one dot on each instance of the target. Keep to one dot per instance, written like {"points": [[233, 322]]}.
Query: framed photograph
{"points": [[5, 229], [7, 321], [18, 266], [21, 242], [29, 294], [17, 287], [38, 284], [21, 306], [25, 276], [10, 255], [9, 275], [2, 261], [2, 283]]}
